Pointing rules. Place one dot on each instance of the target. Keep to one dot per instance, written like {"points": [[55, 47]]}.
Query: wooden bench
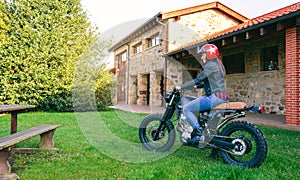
{"points": [[46, 133]]}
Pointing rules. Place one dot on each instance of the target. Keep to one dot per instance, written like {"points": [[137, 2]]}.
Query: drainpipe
{"points": [[127, 75], [165, 50]]}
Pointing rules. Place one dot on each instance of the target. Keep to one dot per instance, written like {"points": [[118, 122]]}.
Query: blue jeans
{"points": [[201, 104]]}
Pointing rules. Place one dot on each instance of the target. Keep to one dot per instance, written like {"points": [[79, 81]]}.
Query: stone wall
{"points": [[189, 28], [120, 76], [267, 89], [156, 98], [146, 64], [142, 90], [257, 87], [149, 59], [178, 74], [174, 74], [196, 26], [133, 90]]}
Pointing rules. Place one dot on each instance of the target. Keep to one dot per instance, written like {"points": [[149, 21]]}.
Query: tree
{"points": [[45, 40], [93, 83], [4, 21]]}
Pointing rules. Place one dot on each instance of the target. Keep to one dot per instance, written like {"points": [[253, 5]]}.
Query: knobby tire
{"points": [[144, 135], [260, 153]]}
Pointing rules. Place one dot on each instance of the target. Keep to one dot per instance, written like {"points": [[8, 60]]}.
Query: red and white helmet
{"points": [[211, 51]]}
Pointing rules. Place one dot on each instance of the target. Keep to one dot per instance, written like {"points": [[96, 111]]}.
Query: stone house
{"points": [[142, 72], [262, 59], [261, 56]]}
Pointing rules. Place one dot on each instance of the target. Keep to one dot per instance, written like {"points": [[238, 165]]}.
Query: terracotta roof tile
{"points": [[252, 22]]}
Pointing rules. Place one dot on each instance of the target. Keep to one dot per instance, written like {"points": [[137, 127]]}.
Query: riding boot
{"points": [[196, 135]]}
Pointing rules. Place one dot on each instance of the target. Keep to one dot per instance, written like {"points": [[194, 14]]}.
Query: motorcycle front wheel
{"points": [[153, 138], [251, 146]]}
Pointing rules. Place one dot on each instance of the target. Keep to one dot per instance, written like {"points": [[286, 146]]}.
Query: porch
{"points": [[271, 120]]}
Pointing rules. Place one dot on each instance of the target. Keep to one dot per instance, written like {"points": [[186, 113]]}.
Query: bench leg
{"points": [[46, 141], [4, 164], [5, 170]]}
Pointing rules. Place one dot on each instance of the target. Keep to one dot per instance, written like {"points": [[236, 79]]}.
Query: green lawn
{"points": [[94, 159]]}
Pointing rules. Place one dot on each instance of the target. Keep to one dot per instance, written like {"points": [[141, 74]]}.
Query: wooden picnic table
{"points": [[14, 110], [45, 131]]}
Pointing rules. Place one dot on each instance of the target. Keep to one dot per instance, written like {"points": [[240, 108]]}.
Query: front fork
{"points": [[163, 122]]}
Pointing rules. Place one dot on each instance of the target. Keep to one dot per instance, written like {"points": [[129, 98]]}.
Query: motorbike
{"points": [[238, 142]]}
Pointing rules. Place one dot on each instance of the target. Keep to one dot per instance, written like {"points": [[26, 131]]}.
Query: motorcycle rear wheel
{"points": [[149, 127], [252, 145]]}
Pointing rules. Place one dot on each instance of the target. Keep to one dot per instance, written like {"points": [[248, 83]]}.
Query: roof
{"points": [[182, 12], [126, 38], [272, 17], [203, 7]]}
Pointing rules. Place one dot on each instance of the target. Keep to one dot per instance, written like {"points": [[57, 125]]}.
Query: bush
{"points": [[104, 91], [58, 103]]}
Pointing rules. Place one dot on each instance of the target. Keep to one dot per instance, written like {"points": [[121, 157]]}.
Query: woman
{"points": [[212, 79]]}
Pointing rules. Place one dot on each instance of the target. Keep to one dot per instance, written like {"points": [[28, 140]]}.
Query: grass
{"points": [[91, 156]]}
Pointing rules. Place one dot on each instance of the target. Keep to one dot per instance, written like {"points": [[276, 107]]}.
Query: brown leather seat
{"points": [[230, 105]]}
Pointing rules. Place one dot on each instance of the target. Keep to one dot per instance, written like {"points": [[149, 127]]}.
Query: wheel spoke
{"points": [[154, 138], [241, 141]]}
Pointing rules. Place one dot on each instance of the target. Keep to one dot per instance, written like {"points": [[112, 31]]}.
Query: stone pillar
{"points": [[115, 89], [174, 74], [155, 89], [132, 92], [293, 76], [142, 90]]}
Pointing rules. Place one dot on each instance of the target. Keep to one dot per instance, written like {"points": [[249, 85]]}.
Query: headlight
{"points": [[168, 97]]}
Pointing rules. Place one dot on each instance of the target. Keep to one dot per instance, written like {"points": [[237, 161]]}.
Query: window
{"points": [[124, 56], [153, 41], [138, 48], [234, 63], [269, 59], [121, 59]]}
